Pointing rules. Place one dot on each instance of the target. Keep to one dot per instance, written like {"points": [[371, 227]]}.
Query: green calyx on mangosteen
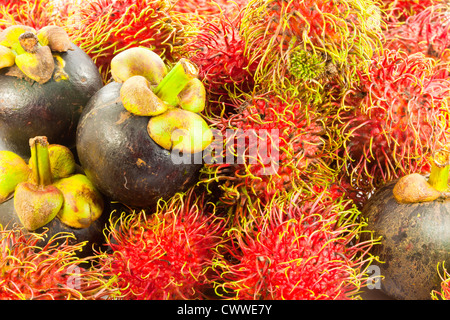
{"points": [[32, 50], [138, 61], [138, 98], [13, 170], [40, 194], [173, 128]]}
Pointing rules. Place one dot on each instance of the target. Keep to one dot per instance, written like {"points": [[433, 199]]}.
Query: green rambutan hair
{"points": [[346, 33]]}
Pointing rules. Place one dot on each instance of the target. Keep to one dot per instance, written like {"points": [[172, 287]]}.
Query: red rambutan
{"points": [[400, 10], [396, 120], [52, 272], [206, 8], [310, 45], [165, 255], [275, 143], [296, 248], [426, 32], [218, 51], [32, 13], [444, 294], [103, 28]]}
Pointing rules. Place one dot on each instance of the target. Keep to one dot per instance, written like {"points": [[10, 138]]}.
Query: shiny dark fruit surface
{"points": [[415, 238], [119, 157], [52, 109]]}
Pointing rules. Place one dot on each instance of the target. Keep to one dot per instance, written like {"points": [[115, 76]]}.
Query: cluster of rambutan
{"points": [[394, 122], [299, 246]]}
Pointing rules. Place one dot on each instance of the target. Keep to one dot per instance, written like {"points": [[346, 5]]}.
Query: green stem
{"points": [[440, 170], [40, 162], [172, 84]]}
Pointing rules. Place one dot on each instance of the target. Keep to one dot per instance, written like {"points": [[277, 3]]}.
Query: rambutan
{"points": [[218, 51], [203, 9], [103, 28], [427, 32], [394, 122], [400, 10], [51, 272], [290, 39], [274, 143], [32, 13], [444, 293], [299, 247], [165, 255]]}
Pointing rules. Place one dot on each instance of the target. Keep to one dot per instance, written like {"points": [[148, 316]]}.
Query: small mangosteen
{"points": [[412, 217], [134, 131], [45, 82], [50, 193]]}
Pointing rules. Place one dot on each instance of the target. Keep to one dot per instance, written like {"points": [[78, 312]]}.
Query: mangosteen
{"points": [[45, 82], [141, 137], [50, 192], [411, 216]]}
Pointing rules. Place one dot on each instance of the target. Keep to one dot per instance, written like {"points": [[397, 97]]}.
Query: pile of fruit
{"points": [[218, 149]]}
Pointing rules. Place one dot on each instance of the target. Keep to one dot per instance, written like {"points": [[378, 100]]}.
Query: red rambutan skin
{"points": [[103, 28], [400, 10], [296, 249], [276, 143], [218, 51], [345, 34], [32, 13], [51, 272], [206, 8], [166, 255], [444, 293], [427, 31], [396, 120]]}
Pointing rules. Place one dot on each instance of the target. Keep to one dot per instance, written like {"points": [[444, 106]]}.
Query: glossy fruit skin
{"points": [[415, 238], [119, 157], [51, 109]]}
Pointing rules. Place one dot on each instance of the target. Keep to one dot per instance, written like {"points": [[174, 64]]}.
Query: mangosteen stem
{"points": [[174, 82], [440, 170], [40, 161]]}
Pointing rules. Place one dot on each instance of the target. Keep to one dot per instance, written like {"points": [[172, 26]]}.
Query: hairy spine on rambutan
{"points": [[165, 255], [275, 143], [394, 122], [444, 293], [32, 13], [51, 272], [400, 10], [103, 28], [340, 35], [427, 31], [296, 248], [204, 9]]}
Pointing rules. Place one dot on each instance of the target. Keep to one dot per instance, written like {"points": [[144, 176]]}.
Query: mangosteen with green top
{"points": [[141, 137], [45, 82], [412, 217], [50, 192]]}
